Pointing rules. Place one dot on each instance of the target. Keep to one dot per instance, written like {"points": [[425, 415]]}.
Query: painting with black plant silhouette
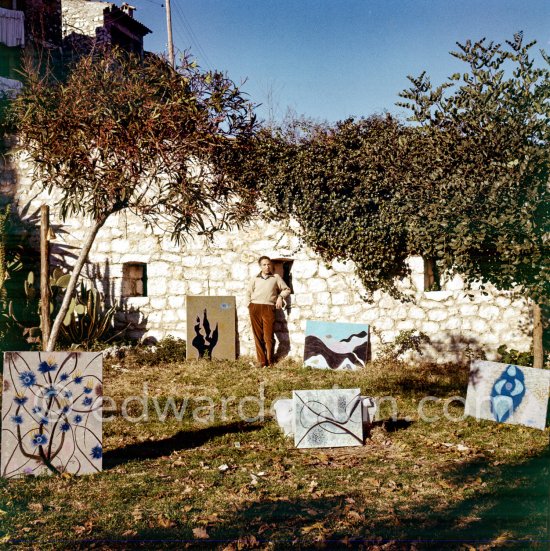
{"points": [[327, 418], [211, 327], [333, 345], [51, 413], [508, 393]]}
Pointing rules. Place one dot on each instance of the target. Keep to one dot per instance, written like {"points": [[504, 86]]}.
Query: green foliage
{"points": [[465, 185], [125, 133], [406, 341], [88, 319], [515, 357], [19, 318], [168, 350], [19, 297], [348, 188], [487, 136]]}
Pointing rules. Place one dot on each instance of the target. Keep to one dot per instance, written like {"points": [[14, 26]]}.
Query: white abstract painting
{"points": [[327, 418], [334, 345]]}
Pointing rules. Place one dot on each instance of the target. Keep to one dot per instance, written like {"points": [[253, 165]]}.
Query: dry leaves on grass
{"points": [[200, 533], [164, 522], [84, 529], [245, 542], [315, 527], [355, 516]]}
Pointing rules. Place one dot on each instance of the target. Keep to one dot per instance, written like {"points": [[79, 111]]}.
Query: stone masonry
{"points": [[95, 22], [82, 18], [453, 321]]}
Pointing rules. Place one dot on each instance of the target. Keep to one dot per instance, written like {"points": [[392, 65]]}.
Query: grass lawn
{"points": [[212, 480]]}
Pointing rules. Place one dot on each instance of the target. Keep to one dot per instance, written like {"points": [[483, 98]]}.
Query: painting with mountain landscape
{"points": [[333, 345]]}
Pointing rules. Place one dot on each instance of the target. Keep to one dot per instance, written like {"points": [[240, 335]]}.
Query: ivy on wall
{"points": [[465, 184]]}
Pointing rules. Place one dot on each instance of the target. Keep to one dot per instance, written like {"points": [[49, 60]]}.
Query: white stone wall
{"points": [[82, 17], [449, 317]]}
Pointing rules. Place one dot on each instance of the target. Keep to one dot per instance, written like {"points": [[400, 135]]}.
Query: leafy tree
{"points": [[489, 132], [122, 133], [466, 185]]}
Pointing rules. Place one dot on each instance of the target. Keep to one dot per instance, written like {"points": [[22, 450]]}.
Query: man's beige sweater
{"points": [[266, 290]]}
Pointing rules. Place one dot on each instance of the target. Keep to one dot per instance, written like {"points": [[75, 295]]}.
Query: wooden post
{"points": [[538, 351], [45, 294]]}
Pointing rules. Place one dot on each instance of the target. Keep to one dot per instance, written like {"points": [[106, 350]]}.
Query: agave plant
{"points": [[88, 319]]}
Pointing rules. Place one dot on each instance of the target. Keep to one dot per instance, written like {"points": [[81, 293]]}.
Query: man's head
{"points": [[265, 264]]}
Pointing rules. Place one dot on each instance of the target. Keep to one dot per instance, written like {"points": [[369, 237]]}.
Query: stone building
{"points": [[149, 276], [24, 22], [86, 23], [62, 27]]}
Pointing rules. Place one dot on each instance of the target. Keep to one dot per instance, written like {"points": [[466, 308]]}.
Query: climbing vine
{"points": [[464, 183]]}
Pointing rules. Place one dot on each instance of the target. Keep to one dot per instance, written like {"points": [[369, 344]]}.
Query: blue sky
{"points": [[329, 59]]}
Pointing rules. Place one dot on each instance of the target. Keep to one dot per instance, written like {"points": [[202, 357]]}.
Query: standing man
{"points": [[264, 294]]}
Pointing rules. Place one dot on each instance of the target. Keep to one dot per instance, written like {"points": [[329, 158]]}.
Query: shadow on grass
{"points": [[514, 506], [510, 512], [182, 440], [428, 379]]}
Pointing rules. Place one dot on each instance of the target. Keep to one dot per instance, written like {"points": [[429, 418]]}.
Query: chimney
{"points": [[127, 9]]}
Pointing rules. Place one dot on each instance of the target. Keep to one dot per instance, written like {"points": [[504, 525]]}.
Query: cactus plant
{"points": [[88, 319], [3, 263], [19, 320], [18, 299]]}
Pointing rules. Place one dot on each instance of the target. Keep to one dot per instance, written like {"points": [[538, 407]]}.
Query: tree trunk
{"points": [[73, 281], [45, 292], [538, 351]]}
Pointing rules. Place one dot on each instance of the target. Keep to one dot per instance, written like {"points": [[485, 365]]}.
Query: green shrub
{"points": [[406, 341], [169, 349], [514, 357]]}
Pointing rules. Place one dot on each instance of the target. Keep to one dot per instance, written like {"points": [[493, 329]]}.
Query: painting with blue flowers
{"points": [[508, 393], [51, 413]]}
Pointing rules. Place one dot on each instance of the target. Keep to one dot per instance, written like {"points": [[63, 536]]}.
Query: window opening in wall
{"points": [[134, 279], [432, 279], [283, 267]]}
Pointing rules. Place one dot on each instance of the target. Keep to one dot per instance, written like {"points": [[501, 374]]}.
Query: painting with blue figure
{"points": [[508, 394], [334, 345]]}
